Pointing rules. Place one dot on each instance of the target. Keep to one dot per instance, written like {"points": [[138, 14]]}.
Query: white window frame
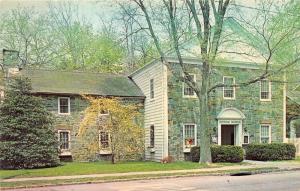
{"points": [[233, 88], [195, 135], [151, 88], [103, 114], [152, 146], [69, 106], [244, 135], [184, 84], [100, 145], [104, 151], [270, 132], [270, 90], [69, 138]]}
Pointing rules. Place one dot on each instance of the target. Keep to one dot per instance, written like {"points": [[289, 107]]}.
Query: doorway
{"points": [[227, 134]]}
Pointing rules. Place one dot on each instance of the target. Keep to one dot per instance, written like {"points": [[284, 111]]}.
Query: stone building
{"points": [[238, 115], [62, 93]]}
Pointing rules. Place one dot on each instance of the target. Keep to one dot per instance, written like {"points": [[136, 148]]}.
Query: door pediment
{"points": [[231, 113]]}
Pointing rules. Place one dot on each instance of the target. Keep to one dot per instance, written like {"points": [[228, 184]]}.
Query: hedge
{"points": [[270, 152], [220, 153]]}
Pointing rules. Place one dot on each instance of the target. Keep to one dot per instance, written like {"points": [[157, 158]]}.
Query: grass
{"points": [[35, 183], [82, 168]]}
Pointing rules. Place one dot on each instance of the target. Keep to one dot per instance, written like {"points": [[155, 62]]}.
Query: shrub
{"points": [[273, 151], [223, 153], [27, 136], [227, 153]]}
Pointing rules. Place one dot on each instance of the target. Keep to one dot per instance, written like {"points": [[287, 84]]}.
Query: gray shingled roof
{"points": [[65, 82]]}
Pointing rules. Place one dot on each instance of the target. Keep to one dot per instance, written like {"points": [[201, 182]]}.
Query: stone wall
{"points": [[186, 110], [85, 147]]}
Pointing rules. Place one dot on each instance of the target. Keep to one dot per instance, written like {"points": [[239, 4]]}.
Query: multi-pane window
{"points": [[104, 139], [152, 88], [265, 90], [265, 133], [63, 105], [152, 136], [189, 135], [64, 140], [228, 90], [187, 90]]}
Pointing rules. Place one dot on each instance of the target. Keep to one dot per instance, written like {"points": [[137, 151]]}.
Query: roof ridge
{"points": [[75, 71]]}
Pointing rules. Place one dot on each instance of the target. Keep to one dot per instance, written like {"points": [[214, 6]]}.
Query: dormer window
{"points": [[64, 105]]}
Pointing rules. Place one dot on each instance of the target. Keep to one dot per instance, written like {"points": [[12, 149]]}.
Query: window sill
{"points": [[228, 98], [64, 114], [65, 153], [105, 152], [189, 97], [186, 150], [265, 100], [151, 149]]}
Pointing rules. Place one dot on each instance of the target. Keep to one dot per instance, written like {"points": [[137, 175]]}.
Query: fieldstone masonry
{"points": [[247, 99]]}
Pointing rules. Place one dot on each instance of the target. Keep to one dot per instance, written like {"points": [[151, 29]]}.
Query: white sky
{"points": [[89, 8]]}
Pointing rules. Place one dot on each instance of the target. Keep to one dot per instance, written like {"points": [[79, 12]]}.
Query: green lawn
{"points": [[78, 168]]}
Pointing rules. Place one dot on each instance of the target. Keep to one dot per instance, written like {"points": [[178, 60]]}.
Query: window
{"points": [[228, 92], [265, 133], [64, 105], [189, 135], [265, 90], [152, 88], [246, 139], [104, 140], [64, 139], [187, 90], [152, 136]]}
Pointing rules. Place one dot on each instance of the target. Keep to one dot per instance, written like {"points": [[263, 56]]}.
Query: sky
{"points": [[90, 9]]}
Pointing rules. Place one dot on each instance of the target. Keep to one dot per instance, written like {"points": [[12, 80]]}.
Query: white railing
{"points": [[296, 142]]}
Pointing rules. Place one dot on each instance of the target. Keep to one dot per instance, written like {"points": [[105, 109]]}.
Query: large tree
{"points": [[27, 136], [207, 29]]}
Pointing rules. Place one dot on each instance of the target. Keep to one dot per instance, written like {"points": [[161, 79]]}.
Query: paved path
{"points": [[253, 164], [284, 181]]}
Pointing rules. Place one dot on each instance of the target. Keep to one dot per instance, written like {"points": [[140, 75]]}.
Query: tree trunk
{"points": [[112, 158], [205, 152]]}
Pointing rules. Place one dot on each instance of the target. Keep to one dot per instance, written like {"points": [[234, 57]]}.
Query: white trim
{"points": [[284, 139], [270, 132], [244, 135], [151, 80], [151, 146], [221, 114], [237, 130], [184, 84], [195, 134], [229, 98], [69, 106], [104, 151], [69, 139], [165, 115], [270, 90]]}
